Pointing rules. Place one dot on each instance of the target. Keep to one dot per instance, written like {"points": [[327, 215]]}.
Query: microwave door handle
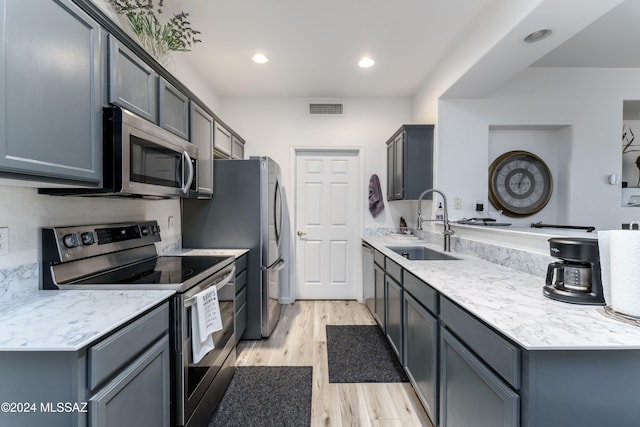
{"points": [[186, 160]]}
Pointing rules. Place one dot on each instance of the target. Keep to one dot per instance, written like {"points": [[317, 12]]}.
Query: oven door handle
{"points": [[186, 161], [221, 284]]}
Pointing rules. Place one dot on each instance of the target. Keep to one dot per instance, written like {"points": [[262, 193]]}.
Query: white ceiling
{"points": [[314, 47], [613, 41]]}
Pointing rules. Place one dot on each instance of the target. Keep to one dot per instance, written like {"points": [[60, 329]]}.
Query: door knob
{"points": [[301, 233]]}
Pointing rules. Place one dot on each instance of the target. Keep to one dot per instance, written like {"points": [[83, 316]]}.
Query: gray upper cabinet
{"points": [[237, 148], [202, 137], [173, 109], [132, 82], [51, 62], [222, 141], [410, 162]]}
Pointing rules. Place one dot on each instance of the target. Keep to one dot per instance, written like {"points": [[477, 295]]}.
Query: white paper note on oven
{"points": [[209, 319]]}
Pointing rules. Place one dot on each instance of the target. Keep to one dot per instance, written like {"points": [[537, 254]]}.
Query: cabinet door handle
{"points": [[302, 234]]}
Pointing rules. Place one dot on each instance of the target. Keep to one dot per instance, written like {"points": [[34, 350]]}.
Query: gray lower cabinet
{"points": [[421, 353], [380, 297], [394, 302], [465, 373], [139, 396], [470, 393], [52, 58], [132, 82], [202, 137], [121, 380], [241, 297], [394, 315], [173, 109]]}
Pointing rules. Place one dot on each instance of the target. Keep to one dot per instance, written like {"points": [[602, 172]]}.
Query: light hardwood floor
{"points": [[300, 340]]}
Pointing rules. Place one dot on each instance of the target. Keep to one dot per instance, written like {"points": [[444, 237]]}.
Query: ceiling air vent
{"points": [[326, 109]]}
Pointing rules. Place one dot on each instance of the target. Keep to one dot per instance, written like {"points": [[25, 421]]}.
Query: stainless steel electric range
{"points": [[124, 256]]}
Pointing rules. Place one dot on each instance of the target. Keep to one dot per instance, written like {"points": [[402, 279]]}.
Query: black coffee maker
{"points": [[578, 279]]}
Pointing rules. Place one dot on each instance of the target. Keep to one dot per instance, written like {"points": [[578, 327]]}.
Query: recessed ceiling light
{"points": [[260, 58], [537, 36], [366, 62]]}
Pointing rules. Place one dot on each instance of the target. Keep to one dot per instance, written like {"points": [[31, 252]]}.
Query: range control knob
{"points": [[70, 240], [144, 230], [87, 238]]}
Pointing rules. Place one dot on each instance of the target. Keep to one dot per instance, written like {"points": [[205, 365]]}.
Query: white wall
{"points": [[25, 211], [274, 126], [586, 103]]}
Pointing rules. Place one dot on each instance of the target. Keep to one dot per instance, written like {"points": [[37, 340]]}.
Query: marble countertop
{"points": [[512, 303], [70, 320]]}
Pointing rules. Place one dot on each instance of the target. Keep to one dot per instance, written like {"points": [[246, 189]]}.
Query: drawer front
{"points": [[497, 352], [241, 323], [394, 270], [241, 281], [378, 258], [241, 299], [241, 263], [423, 293], [241, 314], [112, 353]]}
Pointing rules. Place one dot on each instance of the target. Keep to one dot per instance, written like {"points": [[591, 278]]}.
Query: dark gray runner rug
{"points": [[266, 396], [361, 354]]}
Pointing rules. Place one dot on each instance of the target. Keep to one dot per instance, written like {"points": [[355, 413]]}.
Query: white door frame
{"points": [[360, 155]]}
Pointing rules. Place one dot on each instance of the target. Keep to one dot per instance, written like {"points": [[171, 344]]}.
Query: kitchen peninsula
{"points": [[525, 359]]}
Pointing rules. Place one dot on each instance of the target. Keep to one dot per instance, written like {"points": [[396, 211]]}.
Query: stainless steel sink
{"points": [[421, 253]]}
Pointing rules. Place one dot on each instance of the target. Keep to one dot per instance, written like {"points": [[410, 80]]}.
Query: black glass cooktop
{"points": [[162, 270]]}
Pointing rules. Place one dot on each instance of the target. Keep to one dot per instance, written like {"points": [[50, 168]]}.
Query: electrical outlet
{"points": [[457, 203], [4, 240], [171, 223]]}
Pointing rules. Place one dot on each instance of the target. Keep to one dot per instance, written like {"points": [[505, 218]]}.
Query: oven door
{"points": [[154, 161], [195, 379]]}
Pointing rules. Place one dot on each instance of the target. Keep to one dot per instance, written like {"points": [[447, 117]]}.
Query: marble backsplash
{"points": [[24, 279], [527, 262]]}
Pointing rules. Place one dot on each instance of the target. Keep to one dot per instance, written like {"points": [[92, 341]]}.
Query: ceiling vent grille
{"points": [[326, 109]]}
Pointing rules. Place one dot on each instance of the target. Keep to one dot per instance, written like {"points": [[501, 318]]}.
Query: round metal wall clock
{"points": [[520, 183]]}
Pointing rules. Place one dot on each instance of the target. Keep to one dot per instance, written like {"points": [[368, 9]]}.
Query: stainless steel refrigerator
{"points": [[245, 212]]}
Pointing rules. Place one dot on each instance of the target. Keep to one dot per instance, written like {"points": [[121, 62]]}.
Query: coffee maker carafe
{"points": [[577, 274]]}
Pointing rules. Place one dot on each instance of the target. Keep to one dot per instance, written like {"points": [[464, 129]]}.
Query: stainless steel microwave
{"points": [[140, 159]]}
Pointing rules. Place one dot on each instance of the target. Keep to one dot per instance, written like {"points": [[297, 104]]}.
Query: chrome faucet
{"points": [[447, 227]]}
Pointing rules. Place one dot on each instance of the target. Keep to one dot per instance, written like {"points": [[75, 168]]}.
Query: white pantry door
{"points": [[327, 233]]}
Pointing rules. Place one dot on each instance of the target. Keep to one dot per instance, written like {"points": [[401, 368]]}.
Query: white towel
{"points": [[205, 320]]}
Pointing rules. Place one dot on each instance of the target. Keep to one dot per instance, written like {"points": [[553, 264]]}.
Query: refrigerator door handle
{"points": [[276, 266], [278, 220]]}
